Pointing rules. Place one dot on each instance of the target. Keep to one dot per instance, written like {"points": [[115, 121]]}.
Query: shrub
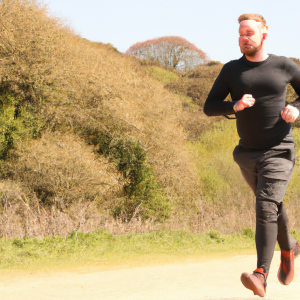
{"points": [[61, 170], [16, 124], [248, 232], [141, 187], [17, 242], [215, 235]]}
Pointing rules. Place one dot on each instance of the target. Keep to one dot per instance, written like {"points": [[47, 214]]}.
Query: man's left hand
{"points": [[290, 113]]}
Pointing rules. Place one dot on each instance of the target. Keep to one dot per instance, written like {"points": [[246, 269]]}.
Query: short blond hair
{"points": [[255, 17]]}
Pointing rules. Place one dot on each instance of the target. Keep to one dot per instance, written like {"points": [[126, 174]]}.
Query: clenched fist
{"points": [[246, 101], [290, 113]]}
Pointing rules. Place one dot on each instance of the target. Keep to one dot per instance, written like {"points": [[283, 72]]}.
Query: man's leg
{"points": [[285, 240], [267, 215], [256, 282], [266, 232], [268, 174], [271, 218], [290, 249], [274, 173], [266, 220], [250, 178]]}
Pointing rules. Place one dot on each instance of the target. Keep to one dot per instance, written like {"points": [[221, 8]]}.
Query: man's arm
{"points": [[295, 83], [291, 112], [296, 103], [215, 104]]}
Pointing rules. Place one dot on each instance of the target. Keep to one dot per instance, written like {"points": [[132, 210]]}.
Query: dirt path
{"points": [[215, 279]]}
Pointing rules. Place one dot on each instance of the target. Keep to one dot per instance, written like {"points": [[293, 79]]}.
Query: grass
{"points": [[215, 165], [163, 75], [104, 249]]}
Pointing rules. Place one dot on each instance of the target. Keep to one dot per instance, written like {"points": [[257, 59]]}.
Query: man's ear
{"points": [[264, 36]]}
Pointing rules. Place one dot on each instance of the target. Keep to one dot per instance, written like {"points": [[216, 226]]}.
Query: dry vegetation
{"points": [[51, 79], [91, 139]]}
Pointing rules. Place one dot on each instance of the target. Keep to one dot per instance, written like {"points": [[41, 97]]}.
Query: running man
{"points": [[257, 84]]}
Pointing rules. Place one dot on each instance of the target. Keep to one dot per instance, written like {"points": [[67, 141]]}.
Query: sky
{"points": [[211, 25]]}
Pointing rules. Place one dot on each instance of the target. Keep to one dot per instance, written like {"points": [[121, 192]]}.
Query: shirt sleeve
{"points": [[294, 72], [215, 104]]}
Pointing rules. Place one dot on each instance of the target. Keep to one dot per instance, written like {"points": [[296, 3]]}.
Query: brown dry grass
{"points": [[63, 166], [197, 83], [23, 216]]}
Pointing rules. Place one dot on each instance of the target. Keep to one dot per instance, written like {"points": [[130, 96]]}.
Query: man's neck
{"points": [[259, 56]]}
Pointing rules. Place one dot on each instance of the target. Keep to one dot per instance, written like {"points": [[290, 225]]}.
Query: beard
{"points": [[251, 51]]}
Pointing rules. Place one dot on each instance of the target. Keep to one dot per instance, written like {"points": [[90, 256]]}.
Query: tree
{"points": [[171, 51]]}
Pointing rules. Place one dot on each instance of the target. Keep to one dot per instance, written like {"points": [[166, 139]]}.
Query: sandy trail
{"points": [[215, 279]]}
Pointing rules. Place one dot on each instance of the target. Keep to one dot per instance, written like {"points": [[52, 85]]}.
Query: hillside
{"points": [[72, 110], [91, 138]]}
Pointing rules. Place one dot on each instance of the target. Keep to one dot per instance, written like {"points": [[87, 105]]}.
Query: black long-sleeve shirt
{"points": [[260, 126]]}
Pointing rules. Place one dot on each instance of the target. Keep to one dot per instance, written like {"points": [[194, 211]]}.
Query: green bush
{"points": [[141, 188], [16, 123], [248, 232], [215, 235], [17, 242]]}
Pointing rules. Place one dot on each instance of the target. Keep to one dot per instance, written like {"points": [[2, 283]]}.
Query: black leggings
{"points": [[268, 173]]}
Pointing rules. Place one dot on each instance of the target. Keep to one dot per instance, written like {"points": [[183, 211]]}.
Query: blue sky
{"points": [[209, 24]]}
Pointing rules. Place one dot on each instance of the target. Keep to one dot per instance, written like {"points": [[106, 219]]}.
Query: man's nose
{"points": [[246, 39]]}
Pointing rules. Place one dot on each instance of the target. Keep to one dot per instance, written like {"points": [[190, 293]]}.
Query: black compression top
{"points": [[259, 126]]}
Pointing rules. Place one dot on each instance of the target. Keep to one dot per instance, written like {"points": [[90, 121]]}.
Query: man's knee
{"points": [[266, 211], [271, 190]]}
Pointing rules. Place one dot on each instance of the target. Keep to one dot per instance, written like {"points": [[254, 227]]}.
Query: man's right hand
{"points": [[246, 101]]}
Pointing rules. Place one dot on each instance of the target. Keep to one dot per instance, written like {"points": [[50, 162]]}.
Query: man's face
{"points": [[250, 39]]}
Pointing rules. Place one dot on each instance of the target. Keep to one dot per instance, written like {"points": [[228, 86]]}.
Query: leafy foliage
{"points": [[141, 187], [248, 232], [16, 123]]}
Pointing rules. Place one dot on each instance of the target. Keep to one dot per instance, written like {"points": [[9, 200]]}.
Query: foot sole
{"points": [[252, 283]]}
